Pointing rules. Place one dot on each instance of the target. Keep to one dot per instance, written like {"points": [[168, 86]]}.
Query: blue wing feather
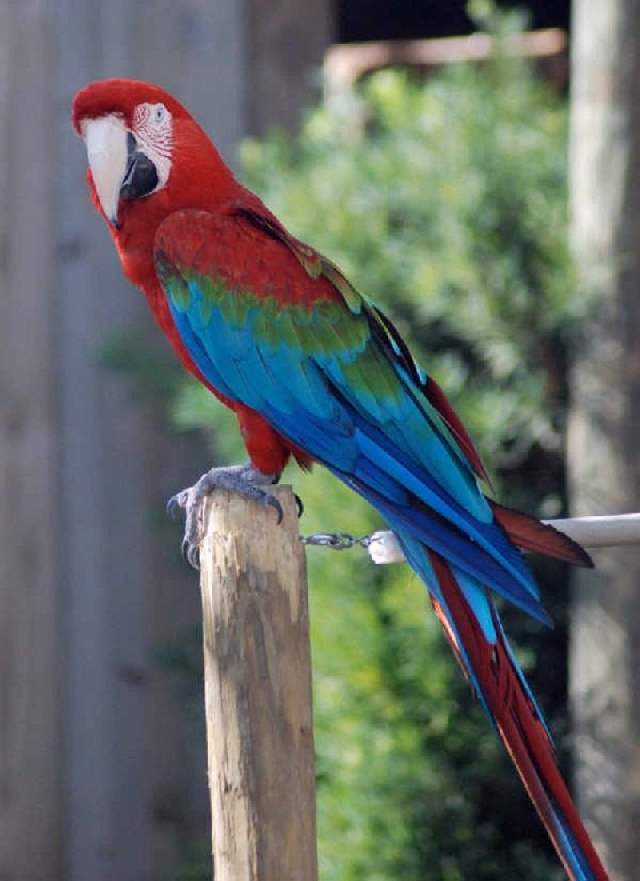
{"points": [[309, 377]]}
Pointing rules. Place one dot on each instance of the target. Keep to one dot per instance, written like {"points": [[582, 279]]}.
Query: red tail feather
{"points": [[530, 534], [517, 719]]}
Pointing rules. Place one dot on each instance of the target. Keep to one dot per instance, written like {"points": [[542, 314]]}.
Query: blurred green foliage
{"points": [[445, 202]]}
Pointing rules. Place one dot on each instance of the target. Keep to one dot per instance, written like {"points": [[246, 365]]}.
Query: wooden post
{"points": [[258, 692]]}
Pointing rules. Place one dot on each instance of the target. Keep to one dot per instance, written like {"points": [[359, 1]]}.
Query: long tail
{"points": [[474, 631]]}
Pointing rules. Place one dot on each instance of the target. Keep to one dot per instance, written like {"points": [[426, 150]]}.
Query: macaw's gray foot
{"points": [[243, 479]]}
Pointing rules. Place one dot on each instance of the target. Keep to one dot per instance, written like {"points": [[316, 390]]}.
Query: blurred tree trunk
{"points": [[604, 431], [286, 42]]}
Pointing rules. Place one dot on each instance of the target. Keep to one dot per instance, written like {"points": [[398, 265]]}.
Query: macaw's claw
{"points": [[243, 479], [268, 499], [175, 503], [299, 505], [190, 554]]}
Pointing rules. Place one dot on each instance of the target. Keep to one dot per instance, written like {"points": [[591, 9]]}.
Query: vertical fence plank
{"points": [[30, 641]]}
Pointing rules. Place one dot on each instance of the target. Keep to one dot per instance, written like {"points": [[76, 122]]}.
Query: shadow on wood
{"points": [[258, 692]]}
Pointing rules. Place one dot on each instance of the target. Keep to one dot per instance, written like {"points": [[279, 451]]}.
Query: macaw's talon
{"points": [[299, 505], [190, 554], [268, 499], [176, 503], [245, 480]]}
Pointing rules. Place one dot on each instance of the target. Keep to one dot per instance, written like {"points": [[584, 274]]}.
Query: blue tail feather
{"points": [[515, 720]]}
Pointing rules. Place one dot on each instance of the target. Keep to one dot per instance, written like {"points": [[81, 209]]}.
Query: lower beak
{"points": [[107, 151]]}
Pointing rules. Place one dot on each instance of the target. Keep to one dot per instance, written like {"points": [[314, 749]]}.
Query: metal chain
{"points": [[337, 541]]}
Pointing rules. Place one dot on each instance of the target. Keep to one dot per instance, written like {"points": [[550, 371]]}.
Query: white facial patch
{"points": [[152, 125]]}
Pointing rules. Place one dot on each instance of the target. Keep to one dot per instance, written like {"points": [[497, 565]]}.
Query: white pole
{"points": [[591, 532]]}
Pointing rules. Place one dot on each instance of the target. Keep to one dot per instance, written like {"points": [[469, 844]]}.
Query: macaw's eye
{"points": [[158, 113]]}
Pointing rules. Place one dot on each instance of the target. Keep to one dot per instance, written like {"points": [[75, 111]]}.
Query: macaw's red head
{"points": [[147, 155]]}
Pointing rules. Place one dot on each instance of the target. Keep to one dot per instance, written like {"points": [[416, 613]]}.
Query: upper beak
{"points": [[107, 151]]}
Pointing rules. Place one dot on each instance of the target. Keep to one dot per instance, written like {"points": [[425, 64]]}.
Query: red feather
{"points": [[530, 534], [517, 721], [437, 397]]}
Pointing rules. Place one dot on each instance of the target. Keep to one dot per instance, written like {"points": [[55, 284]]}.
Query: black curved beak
{"points": [[141, 176]]}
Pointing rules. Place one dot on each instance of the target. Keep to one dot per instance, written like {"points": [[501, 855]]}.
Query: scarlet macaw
{"points": [[315, 371]]}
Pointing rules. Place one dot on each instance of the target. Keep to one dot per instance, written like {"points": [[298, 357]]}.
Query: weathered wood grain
{"points": [[258, 693]]}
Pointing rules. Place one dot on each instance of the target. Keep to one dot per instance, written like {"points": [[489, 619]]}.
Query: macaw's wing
{"points": [[272, 324]]}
